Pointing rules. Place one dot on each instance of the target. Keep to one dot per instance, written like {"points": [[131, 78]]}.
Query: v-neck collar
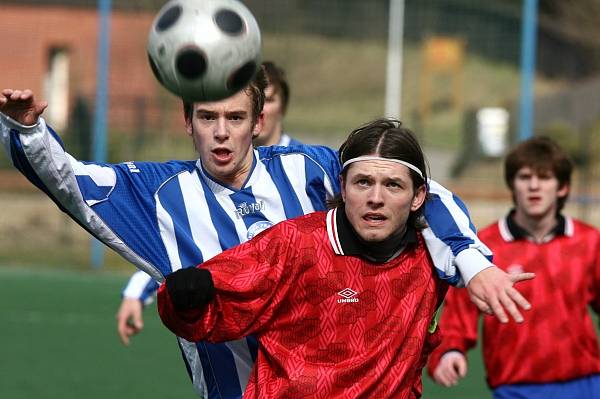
{"points": [[217, 186]]}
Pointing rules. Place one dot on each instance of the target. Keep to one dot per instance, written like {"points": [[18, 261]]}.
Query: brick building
{"points": [[51, 47]]}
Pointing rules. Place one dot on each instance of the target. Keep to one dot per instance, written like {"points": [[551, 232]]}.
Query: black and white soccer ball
{"points": [[204, 50]]}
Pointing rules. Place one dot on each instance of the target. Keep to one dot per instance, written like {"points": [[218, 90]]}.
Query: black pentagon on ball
{"points": [[229, 22], [191, 63], [240, 78], [155, 70], [168, 18]]}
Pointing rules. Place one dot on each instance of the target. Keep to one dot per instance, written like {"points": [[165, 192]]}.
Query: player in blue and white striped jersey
{"points": [[140, 288], [165, 216]]}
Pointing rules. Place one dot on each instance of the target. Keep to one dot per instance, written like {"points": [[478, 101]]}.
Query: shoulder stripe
{"points": [[100, 175], [332, 233]]}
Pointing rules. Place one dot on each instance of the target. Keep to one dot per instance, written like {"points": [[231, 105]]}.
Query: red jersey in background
{"points": [[557, 341]]}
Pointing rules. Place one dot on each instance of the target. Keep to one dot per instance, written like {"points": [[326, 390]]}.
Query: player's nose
{"points": [[375, 195], [221, 131]]}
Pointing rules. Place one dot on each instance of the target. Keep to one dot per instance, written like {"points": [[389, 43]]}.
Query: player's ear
{"points": [[258, 126], [189, 128], [343, 187], [563, 191], [419, 198]]}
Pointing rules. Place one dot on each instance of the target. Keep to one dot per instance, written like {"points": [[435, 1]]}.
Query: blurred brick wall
{"points": [[29, 32]]}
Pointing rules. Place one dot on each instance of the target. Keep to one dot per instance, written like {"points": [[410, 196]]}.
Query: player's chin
{"points": [[222, 172], [373, 235], [536, 211]]}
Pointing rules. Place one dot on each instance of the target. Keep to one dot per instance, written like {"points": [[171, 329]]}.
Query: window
{"points": [[56, 86]]}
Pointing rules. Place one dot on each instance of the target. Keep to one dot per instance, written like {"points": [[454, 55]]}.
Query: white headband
{"points": [[374, 158]]}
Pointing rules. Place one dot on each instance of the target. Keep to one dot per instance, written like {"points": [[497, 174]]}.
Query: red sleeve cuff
{"points": [[181, 322]]}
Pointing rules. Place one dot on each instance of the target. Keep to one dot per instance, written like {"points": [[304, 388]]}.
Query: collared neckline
{"points": [[511, 231], [345, 241]]}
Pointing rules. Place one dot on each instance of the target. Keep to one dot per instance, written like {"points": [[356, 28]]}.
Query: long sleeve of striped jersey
{"points": [[81, 190], [140, 286], [451, 238]]}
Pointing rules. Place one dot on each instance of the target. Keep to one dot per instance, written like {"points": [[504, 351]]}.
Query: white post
{"points": [[393, 85]]}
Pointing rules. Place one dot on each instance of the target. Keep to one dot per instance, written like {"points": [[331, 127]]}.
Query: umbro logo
{"points": [[347, 295]]}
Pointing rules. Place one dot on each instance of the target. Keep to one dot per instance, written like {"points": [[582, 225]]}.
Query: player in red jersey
{"points": [[341, 302], [554, 353]]}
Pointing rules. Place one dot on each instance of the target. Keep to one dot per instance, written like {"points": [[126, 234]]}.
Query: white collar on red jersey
{"points": [[344, 240], [510, 231]]}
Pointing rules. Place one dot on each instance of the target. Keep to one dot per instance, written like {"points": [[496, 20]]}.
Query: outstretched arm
{"points": [[462, 259], [21, 106], [492, 291], [83, 190]]}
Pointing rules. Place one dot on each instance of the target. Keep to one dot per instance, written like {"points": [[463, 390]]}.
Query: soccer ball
{"points": [[204, 50]]}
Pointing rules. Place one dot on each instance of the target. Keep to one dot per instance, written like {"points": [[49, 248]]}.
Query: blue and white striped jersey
{"points": [[165, 216], [141, 286]]}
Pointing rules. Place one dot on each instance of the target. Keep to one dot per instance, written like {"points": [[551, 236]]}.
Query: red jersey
{"points": [[557, 341], [329, 326]]}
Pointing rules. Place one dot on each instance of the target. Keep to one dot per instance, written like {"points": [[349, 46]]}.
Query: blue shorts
{"points": [[580, 388]]}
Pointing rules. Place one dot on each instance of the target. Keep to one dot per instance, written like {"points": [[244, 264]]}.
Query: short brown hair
{"points": [[541, 154], [255, 90], [276, 77]]}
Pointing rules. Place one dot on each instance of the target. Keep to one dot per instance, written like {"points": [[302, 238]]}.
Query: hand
{"points": [[190, 288], [491, 290], [129, 319], [452, 366], [21, 106]]}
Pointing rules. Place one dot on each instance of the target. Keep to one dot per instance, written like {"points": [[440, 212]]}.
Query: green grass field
{"points": [[58, 340]]}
